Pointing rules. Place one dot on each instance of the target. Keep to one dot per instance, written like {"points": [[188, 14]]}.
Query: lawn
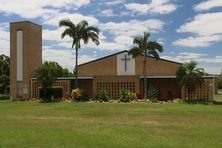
{"points": [[30, 124]]}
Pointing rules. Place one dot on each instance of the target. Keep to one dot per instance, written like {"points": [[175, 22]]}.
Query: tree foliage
{"points": [[48, 72], [147, 48], [79, 32], [4, 73], [189, 76]]}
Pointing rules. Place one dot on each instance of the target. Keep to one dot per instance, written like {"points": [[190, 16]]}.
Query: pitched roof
{"points": [[123, 52]]}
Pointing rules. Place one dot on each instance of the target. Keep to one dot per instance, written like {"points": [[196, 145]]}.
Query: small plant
{"points": [[79, 95], [132, 96], [102, 96], [75, 93], [127, 96], [152, 94]]}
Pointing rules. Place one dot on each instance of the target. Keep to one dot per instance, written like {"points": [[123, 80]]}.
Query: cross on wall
{"points": [[125, 60]]}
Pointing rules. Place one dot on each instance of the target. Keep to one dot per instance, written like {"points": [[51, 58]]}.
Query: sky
{"points": [[187, 29]]}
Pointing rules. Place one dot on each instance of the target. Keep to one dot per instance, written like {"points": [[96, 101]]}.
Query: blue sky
{"points": [[188, 29]]}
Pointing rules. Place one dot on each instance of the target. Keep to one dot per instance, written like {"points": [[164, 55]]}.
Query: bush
{"points": [[102, 96], [55, 92], [79, 95], [127, 96], [152, 94], [220, 83], [75, 93]]}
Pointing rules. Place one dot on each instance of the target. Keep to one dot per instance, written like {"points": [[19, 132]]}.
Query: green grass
{"points": [[29, 124], [4, 97], [219, 95]]}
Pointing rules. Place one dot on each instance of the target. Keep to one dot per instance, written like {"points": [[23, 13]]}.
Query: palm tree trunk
{"points": [[76, 82], [145, 80]]}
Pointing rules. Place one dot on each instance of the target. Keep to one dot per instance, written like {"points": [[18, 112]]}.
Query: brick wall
{"points": [[206, 91]]}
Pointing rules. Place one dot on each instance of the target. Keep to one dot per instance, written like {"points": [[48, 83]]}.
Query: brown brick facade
{"points": [[32, 55], [155, 67], [65, 84], [168, 87], [205, 91], [104, 67], [114, 84], [108, 67], [102, 72]]}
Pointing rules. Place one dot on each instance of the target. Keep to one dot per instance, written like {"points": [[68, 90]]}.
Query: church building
{"points": [[120, 70], [112, 73]]}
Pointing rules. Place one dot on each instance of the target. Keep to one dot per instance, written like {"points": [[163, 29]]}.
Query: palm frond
{"points": [[154, 54], [66, 32], [153, 45], [138, 41], [66, 23], [135, 51], [83, 24], [92, 29]]}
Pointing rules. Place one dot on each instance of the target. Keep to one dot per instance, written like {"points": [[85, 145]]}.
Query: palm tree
{"points": [[190, 76], [81, 31], [147, 48]]}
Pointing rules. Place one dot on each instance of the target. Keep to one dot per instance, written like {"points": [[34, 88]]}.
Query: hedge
{"points": [[56, 92]]}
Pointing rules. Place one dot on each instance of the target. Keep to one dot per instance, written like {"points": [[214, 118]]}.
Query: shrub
{"points": [[75, 93], [152, 94], [127, 96], [79, 95], [132, 96], [102, 96], [51, 92], [220, 83]]}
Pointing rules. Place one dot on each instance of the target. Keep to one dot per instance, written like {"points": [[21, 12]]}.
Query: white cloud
{"points": [[136, 7], [211, 69], [38, 8], [69, 55], [107, 12], [200, 41], [115, 2], [203, 60], [184, 57], [206, 29], [204, 24], [154, 7], [4, 39], [75, 17], [133, 27], [108, 45], [161, 41], [122, 37], [209, 4]]}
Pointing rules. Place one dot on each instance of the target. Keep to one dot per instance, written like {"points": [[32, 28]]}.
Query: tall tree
{"points": [[81, 31], [190, 76], [147, 48], [4, 73]]}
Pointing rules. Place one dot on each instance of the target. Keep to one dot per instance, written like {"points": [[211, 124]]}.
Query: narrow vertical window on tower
{"points": [[19, 58]]}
